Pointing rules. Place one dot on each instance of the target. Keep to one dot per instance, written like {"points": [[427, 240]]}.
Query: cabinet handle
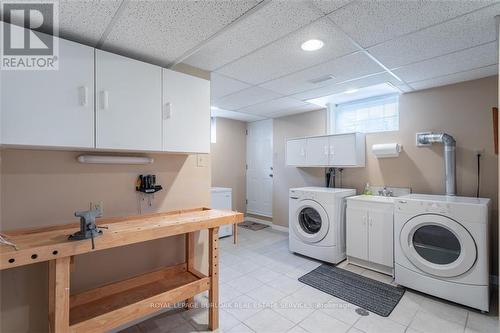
{"points": [[84, 95], [364, 220], [370, 222], [167, 111], [302, 152], [104, 99]]}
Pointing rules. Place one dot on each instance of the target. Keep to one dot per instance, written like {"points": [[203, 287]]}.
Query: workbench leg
{"points": [[59, 275], [213, 267], [235, 233], [189, 241]]}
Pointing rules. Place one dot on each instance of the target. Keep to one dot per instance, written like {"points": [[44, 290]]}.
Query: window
{"points": [[213, 130], [378, 114]]}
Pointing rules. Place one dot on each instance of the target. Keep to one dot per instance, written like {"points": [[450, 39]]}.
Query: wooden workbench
{"points": [[104, 308]]}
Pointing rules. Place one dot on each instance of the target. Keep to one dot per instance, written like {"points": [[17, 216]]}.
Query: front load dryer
{"points": [[317, 222], [441, 247]]}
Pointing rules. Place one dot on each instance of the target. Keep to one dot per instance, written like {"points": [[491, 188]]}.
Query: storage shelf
{"points": [[100, 309]]}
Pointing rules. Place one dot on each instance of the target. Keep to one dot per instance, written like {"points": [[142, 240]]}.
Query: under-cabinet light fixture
{"points": [[103, 159]]}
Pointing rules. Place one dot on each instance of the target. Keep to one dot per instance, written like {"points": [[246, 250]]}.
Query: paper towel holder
{"points": [[386, 150]]}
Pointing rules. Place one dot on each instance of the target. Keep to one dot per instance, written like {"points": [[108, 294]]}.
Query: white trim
{"points": [[269, 223]]}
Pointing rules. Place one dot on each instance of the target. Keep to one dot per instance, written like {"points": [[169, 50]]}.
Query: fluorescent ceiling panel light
{"points": [[312, 45], [103, 159], [214, 108], [355, 94], [322, 79]]}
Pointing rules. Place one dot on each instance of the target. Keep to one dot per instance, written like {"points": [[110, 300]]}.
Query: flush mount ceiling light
{"points": [[351, 91], [312, 45]]}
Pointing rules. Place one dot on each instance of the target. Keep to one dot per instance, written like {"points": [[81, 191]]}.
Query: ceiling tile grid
{"points": [[328, 6], [457, 77], [269, 23], [373, 22], [476, 57], [243, 98], [285, 55], [460, 33], [276, 105], [344, 68], [161, 31], [221, 85]]}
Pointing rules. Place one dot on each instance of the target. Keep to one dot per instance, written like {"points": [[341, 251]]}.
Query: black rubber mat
{"points": [[375, 296]]}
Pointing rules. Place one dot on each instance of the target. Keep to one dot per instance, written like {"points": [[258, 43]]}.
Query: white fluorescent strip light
{"points": [[102, 159]]}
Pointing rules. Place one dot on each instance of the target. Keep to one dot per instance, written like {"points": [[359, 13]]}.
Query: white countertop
{"points": [[372, 198]]}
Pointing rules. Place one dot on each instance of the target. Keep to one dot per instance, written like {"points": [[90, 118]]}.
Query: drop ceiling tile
{"points": [[456, 78], [354, 84], [344, 68], [328, 6], [245, 98], [373, 22], [460, 33], [221, 85], [305, 108], [161, 31], [269, 23], [285, 56], [276, 105], [476, 57]]}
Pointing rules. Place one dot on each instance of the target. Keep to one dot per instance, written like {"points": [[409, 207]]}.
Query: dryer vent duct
{"points": [[427, 139]]}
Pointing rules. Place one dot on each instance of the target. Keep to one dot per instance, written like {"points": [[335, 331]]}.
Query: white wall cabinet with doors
{"points": [[369, 233], [128, 103], [339, 150], [186, 113], [50, 108]]}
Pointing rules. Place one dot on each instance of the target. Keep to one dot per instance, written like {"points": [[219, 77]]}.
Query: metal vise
{"points": [[88, 227]]}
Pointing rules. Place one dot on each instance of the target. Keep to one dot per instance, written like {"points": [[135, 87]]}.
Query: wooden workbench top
{"points": [[43, 244]]}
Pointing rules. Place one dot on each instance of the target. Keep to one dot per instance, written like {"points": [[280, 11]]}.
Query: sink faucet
{"points": [[385, 192]]}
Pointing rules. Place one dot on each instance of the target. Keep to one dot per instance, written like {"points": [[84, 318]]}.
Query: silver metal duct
{"points": [[427, 139]]}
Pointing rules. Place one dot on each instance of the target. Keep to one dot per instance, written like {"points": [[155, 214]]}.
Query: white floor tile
{"points": [[445, 310], [431, 323], [266, 295], [245, 266], [293, 309], [227, 293], [163, 323], [352, 268], [377, 324], [377, 276], [227, 321], [318, 322], [268, 321], [243, 307], [341, 310], [482, 323], [297, 329], [245, 283], [241, 328], [405, 311], [286, 285], [265, 274], [227, 274], [310, 295]]}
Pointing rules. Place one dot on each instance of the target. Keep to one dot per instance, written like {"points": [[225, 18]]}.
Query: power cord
{"points": [[478, 155]]}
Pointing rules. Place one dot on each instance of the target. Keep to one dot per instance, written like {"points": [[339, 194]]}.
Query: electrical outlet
{"points": [[98, 205], [202, 160], [479, 151]]}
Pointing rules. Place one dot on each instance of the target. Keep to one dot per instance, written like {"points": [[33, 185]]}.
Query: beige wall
{"points": [[286, 177], [228, 158], [45, 187], [462, 110]]}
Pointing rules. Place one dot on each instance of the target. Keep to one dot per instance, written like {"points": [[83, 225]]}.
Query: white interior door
{"points": [[260, 167]]}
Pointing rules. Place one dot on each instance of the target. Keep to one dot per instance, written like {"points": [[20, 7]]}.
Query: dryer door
{"points": [[438, 245], [311, 221]]}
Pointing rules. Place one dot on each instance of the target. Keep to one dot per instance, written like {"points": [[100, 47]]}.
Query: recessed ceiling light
{"points": [[351, 91], [312, 45], [214, 108]]}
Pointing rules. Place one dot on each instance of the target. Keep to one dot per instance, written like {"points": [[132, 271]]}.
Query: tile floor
{"points": [[259, 292]]}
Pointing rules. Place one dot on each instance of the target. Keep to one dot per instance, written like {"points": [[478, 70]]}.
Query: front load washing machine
{"points": [[317, 222], [441, 247]]}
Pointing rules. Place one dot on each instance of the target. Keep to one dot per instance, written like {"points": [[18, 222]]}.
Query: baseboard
{"points": [[269, 223]]}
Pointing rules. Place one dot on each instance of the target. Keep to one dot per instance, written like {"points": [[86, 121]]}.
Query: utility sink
{"points": [[373, 198]]}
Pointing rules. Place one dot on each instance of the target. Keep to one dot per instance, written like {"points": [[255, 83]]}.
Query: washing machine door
{"points": [[311, 221], [438, 245]]}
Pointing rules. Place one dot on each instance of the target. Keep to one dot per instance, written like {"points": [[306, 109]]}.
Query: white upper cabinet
{"points": [[50, 108], [128, 103], [296, 152], [336, 150], [186, 113], [318, 150]]}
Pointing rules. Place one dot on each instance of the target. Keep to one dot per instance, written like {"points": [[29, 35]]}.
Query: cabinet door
{"points": [[357, 233], [53, 108], [343, 150], [380, 231], [128, 110], [186, 113], [296, 152], [317, 151]]}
